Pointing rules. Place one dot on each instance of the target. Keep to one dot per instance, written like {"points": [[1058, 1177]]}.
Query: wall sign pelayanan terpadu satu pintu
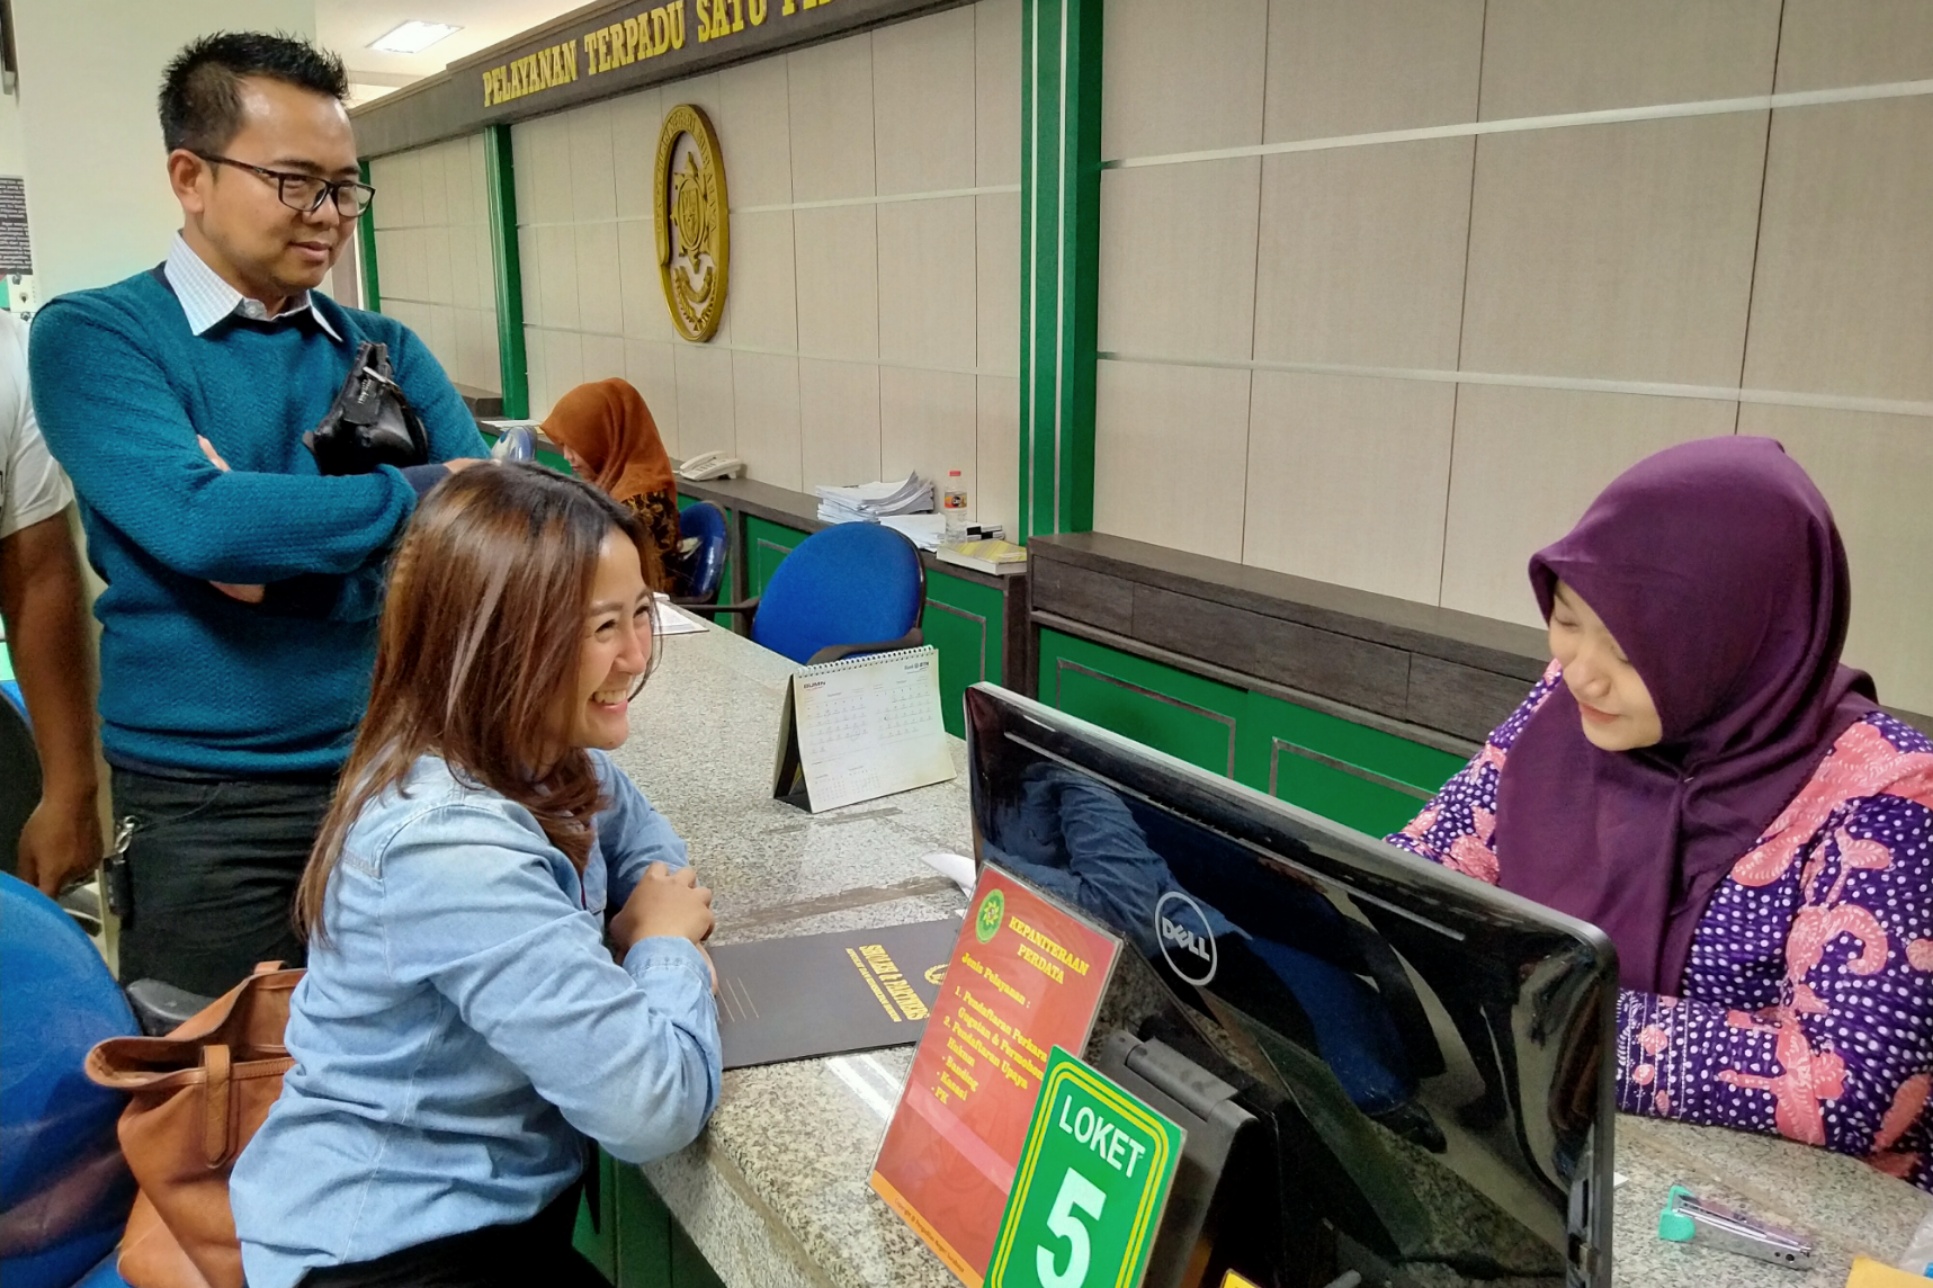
{"points": [[693, 222], [648, 33]]}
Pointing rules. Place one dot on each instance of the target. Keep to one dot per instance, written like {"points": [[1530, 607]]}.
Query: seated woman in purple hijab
{"points": [[1699, 776]]}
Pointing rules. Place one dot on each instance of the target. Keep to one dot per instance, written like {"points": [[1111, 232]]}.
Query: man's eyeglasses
{"points": [[305, 192]]}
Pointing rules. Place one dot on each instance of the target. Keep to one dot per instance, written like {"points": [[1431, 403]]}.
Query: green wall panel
{"points": [[766, 546], [1363, 778], [1184, 715], [598, 1240], [643, 1231], [1360, 777], [963, 621]]}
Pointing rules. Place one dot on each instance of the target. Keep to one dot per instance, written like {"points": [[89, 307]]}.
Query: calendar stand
{"points": [[861, 728]]}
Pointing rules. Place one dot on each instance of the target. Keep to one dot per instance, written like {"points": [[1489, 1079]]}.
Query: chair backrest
{"points": [[696, 576], [56, 1128], [515, 444], [852, 583], [19, 778]]}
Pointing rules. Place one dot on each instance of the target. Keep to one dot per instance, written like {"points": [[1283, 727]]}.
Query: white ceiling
{"points": [[347, 27]]}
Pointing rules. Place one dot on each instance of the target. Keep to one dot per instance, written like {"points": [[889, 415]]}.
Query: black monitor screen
{"points": [[1435, 1053]]}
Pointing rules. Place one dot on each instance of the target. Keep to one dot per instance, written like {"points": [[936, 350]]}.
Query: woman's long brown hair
{"points": [[479, 645]]}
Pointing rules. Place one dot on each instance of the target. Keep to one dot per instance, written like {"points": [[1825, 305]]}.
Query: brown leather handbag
{"points": [[196, 1096]]}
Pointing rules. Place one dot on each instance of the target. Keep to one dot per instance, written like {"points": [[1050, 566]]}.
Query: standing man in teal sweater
{"points": [[238, 623]]}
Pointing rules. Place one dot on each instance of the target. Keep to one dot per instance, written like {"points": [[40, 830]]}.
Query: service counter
{"points": [[775, 1194]]}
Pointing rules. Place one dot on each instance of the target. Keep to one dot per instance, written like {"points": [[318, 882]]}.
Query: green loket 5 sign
{"points": [[1093, 1179]]}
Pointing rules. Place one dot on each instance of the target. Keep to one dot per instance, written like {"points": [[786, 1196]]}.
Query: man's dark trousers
{"points": [[213, 867]]}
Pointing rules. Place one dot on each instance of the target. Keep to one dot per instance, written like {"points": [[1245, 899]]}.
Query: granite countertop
{"points": [[775, 1194]]}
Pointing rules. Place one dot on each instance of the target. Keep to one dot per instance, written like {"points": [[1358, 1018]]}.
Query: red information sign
{"points": [[1025, 976]]}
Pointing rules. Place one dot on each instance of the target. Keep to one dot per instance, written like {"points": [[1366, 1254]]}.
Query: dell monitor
{"points": [[1421, 1064]]}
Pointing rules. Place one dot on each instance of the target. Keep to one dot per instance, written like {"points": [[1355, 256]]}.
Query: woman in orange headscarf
{"points": [[608, 436]]}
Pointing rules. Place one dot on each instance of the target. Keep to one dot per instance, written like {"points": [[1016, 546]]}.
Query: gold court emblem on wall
{"points": [[693, 220]]}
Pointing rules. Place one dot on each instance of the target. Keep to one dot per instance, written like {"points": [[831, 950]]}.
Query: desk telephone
{"points": [[711, 465]]}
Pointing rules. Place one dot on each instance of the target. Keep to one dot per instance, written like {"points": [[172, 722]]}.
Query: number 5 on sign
{"points": [[1093, 1177]]}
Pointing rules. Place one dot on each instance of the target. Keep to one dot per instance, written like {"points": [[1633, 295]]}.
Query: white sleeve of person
{"points": [[32, 486]]}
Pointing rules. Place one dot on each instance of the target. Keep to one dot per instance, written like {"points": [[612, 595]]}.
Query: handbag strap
{"points": [[214, 1105]]}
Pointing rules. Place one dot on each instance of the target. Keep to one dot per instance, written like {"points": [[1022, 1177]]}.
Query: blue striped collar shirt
{"points": [[207, 299]]}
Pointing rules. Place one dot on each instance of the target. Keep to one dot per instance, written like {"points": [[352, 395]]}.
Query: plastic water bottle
{"points": [[953, 503]]}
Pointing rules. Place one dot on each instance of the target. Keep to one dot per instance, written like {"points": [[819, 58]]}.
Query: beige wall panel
{"points": [[927, 283], [600, 304], [830, 89], [1341, 67], [703, 92], [1178, 259], [838, 422], [536, 373], [652, 370], [1542, 57], [761, 304], [1170, 453], [1874, 471], [1620, 252], [646, 315], [706, 421], [754, 134], [1348, 479], [592, 167], [635, 120], [604, 358], [837, 254], [433, 264], [532, 266], [543, 170], [1524, 465], [1180, 78], [998, 449], [433, 183], [765, 403], [996, 79], [997, 267], [1362, 254], [1844, 297], [462, 270], [563, 363], [923, 103], [928, 421], [439, 332], [487, 272], [394, 178], [557, 275], [476, 339], [1825, 44]]}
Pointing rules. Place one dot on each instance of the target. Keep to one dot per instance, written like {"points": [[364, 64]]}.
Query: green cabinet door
{"points": [[766, 546], [964, 622], [1362, 778], [596, 1237], [1184, 715]]}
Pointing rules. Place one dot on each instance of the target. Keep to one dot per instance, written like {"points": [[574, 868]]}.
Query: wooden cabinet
{"points": [[1363, 778]]}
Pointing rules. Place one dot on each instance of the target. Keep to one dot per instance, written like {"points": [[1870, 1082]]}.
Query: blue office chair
{"points": [[697, 570], [848, 589], [64, 1189], [516, 443]]}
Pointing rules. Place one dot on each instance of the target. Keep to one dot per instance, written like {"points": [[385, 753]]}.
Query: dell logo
{"points": [[1181, 928]]}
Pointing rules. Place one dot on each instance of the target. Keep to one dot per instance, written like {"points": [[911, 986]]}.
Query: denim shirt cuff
{"points": [[673, 951]]}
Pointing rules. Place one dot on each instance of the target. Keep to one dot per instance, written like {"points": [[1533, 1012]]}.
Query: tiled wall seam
{"points": [[1563, 120]]}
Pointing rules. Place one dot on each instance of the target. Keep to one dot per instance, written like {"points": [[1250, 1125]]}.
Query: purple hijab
{"points": [[1717, 567]]}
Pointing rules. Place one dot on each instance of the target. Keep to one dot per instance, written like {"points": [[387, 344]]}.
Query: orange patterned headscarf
{"points": [[607, 424]]}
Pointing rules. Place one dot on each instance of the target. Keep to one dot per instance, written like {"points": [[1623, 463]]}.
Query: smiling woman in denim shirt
{"points": [[469, 1017]]}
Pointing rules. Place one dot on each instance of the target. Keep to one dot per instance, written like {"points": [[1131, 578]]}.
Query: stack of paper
{"points": [[923, 530], [869, 502]]}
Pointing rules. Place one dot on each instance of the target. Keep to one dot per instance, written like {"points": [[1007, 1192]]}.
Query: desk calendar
{"points": [[860, 728]]}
